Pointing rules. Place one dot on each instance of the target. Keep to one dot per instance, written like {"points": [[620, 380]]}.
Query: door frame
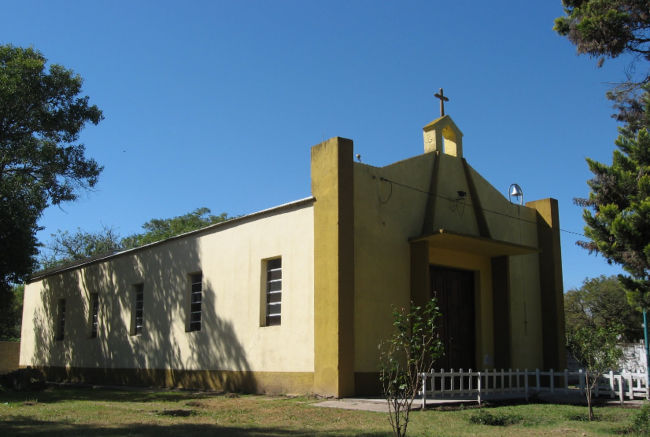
{"points": [[476, 295]]}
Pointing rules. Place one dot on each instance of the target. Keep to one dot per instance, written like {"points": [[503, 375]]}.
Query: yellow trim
{"points": [[550, 276], [226, 380], [477, 245], [332, 179]]}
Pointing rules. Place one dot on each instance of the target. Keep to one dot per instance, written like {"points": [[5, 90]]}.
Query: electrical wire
{"points": [[453, 200]]}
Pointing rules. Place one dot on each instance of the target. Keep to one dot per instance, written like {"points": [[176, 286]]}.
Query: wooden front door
{"points": [[454, 290]]}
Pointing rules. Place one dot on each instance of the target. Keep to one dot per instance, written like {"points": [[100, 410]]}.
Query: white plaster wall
{"points": [[634, 359], [230, 258]]}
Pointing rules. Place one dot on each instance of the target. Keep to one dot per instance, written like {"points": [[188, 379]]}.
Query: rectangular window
{"points": [[94, 310], [60, 323], [273, 291], [196, 297], [138, 309]]}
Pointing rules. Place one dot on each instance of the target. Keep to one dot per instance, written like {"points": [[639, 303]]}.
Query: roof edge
{"points": [[296, 204]]}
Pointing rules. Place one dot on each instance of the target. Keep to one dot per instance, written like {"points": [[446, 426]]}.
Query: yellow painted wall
{"points": [[230, 258], [385, 217], [451, 214], [551, 287], [507, 221], [334, 281], [525, 313], [390, 205], [9, 356], [517, 224]]}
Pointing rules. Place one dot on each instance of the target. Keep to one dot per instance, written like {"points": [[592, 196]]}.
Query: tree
{"points": [[409, 352], [602, 302], [160, 229], [610, 28], [67, 247], [11, 314], [597, 350], [617, 212], [41, 161]]}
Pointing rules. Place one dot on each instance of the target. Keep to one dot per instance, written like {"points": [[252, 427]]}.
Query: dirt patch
{"points": [[177, 413]]}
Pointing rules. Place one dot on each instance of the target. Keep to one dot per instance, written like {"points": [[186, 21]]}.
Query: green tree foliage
{"points": [[160, 229], [67, 247], [411, 350], [41, 161], [610, 28], [597, 350], [641, 421], [602, 302], [11, 313], [617, 212]]}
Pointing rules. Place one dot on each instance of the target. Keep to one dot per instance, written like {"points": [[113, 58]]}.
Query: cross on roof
{"points": [[440, 95]]}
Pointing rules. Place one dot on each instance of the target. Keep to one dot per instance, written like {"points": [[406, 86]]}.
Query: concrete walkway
{"points": [[380, 405], [366, 404]]}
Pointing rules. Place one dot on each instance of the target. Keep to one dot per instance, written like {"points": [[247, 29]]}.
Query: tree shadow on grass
{"points": [[21, 426], [76, 393]]}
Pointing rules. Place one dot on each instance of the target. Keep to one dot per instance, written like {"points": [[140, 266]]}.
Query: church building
{"points": [[296, 298]]}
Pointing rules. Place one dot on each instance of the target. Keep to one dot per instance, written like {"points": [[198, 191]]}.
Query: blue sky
{"points": [[216, 104]]}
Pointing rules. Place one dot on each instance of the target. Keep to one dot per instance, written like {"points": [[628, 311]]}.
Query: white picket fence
{"points": [[463, 384]]}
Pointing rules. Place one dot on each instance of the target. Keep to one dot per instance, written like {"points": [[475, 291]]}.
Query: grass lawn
{"points": [[63, 411]]}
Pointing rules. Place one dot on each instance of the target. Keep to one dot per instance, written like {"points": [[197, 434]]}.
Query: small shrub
{"points": [[581, 417], [27, 379], [411, 350], [484, 417], [641, 421]]}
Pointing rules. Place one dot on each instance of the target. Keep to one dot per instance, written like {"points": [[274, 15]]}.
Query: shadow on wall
{"points": [[164, 353]]}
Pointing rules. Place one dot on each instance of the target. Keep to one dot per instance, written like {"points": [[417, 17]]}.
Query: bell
{"points": [[516, 192]]}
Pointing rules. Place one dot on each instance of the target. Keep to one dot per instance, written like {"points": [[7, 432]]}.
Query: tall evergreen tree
{"points": [[617, 212], [609, 29]]}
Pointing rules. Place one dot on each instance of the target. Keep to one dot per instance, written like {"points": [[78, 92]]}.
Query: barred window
{"points": [[138, 309], [60, 325], [94, 311], [196, 298], [273, 292]]}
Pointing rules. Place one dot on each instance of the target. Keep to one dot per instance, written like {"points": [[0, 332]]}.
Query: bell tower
{"points": [[442, 135]]}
